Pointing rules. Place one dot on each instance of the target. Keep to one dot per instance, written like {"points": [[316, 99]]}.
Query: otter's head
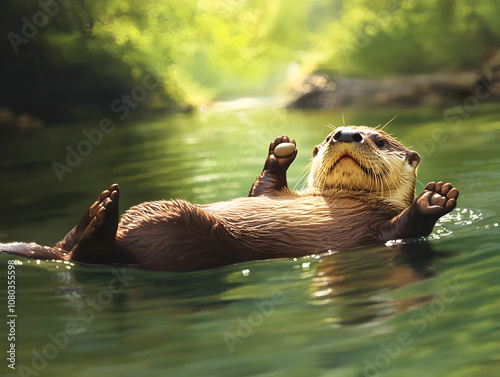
{"points": [[362, 159]]}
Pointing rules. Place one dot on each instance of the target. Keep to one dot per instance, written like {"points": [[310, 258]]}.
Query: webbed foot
{"points": [[97, 229]]}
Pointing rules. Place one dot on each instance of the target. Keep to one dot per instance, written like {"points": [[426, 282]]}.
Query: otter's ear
{"points": [[413, 158], [315, 150]]}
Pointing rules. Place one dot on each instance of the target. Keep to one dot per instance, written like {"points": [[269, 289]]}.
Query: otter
{"points": [[361, 191]]}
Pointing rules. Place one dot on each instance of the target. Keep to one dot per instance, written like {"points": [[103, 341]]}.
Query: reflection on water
{"points": [[352, 283], [401, 309]]}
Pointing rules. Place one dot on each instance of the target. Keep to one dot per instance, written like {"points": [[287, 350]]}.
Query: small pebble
{"points": [[284, 149]]}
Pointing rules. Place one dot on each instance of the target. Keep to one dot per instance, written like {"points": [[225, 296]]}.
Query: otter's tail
{"points": [[33, 250]]}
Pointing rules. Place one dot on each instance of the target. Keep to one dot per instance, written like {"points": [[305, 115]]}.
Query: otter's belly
{"points": [[177, 235], [297, 226]]}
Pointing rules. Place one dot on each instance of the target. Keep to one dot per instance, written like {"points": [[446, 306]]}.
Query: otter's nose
{"points": [[348, 136]]}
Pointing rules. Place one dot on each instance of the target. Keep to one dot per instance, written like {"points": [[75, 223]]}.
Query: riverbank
{"points": [[327, 92]]}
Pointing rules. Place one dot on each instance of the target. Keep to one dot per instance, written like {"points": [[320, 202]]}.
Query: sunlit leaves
{"points": [[210, 49]]}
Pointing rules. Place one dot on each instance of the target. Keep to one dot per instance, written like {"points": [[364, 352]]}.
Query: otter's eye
{"points": [[380, 143]]}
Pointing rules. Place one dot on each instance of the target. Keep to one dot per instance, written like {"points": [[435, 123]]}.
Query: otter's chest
{"points": [[308, 216]]}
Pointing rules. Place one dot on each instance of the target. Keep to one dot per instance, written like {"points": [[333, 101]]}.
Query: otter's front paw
{"points": [[279, 164], [437, 200]]}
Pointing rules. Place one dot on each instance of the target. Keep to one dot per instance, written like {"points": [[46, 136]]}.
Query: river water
{"points": [[405, 309]]}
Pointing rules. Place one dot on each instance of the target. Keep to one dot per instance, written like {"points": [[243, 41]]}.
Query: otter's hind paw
{"points": [[97, 239], [437, 200]]}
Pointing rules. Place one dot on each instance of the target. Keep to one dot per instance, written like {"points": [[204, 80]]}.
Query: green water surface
{"points": [[395, 310]]}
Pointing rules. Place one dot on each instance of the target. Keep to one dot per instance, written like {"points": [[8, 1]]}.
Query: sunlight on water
{"points": [[460, 218], [463, 216]]}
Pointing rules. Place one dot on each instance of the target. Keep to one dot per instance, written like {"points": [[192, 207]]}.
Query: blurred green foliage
{"points": [[90, 52]]}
